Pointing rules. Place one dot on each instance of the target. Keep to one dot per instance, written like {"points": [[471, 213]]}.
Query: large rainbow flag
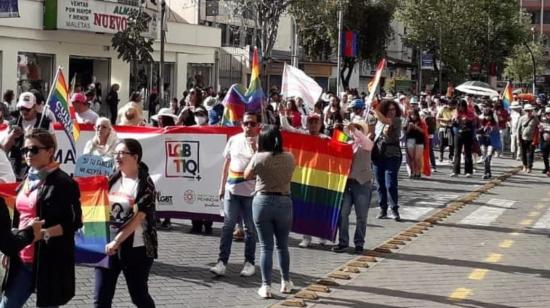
{"points": [[61, 106], [318, 183], [237, 101], [91, 239], [507, 96]]}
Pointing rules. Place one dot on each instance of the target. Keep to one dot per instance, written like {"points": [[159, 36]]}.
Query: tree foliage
{"points": [[318, 28], [519, 66], [472, 31], [131, 45]]}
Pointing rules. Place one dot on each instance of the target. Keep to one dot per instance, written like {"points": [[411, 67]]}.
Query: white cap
{"points": [[528, 107], [26, 100], [164, 112]]}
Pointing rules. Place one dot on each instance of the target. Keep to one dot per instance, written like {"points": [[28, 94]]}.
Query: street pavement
{"points": [[180, 276]]}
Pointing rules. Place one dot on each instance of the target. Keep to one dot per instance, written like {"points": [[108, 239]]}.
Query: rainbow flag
{"points": [[62, 108], [374, 84], [235, 177], [237, 101], [318, 183], [91, 239], [507, 96], [340, 136]]}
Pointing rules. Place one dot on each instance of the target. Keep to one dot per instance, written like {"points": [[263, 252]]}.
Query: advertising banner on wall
{"points": [[96, 16]]}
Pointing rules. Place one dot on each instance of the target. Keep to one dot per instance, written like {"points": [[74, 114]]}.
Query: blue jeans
{"points": [[273, 217], [135, 265], [234, 207], [358, 196], [386, 171], [19, 291]]}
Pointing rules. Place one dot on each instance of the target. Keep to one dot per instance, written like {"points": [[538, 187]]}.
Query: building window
{"points": [[199, 75], [34, 71]]}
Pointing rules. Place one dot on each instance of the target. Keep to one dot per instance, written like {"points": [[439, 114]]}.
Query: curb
{"points": [[356, 266]]}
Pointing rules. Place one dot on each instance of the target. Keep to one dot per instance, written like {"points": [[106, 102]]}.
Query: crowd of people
{"points": [[255, 182]]}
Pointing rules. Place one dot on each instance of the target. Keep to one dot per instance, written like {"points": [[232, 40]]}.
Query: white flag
{"points": [[296, 83]]}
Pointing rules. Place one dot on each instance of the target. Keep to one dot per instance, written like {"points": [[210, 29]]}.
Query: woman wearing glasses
{"points": [[47, 193], [133, 243], [104, 141]]}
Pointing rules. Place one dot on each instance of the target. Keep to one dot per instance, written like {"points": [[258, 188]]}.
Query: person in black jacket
{"points": [[112, 101], [134, 244], [49, 194], [11, 242]]}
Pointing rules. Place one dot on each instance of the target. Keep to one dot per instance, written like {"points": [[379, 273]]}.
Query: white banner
{"points": [[296, 83], [184, 162]]}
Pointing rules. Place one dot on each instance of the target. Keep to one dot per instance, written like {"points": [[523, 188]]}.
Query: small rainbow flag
{"points": [[318, 183], [237, 101], [507, 96], [340, 136], [91, 239], [375, 82], [62, 108]]}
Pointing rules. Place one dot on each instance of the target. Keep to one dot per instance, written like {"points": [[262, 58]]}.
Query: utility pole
{"points": [[340, 21], [162, 43], [419, 86], [294, 47]]}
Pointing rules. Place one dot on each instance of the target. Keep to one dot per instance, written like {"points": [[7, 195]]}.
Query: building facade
{"points": [[76, 35]]}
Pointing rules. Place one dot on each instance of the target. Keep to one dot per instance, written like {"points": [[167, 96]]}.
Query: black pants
{"points": [[113, 110], [527, 153], [463, 141], [135, 265], [545, 154], [446, 139]]}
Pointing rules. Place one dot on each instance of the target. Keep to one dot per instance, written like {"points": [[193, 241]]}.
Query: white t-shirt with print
{"points": [[122, 199], [239, 152], [86, 117]]}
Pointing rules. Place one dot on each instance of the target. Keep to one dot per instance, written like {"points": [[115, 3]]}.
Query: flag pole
{"points": [[47, 102]]}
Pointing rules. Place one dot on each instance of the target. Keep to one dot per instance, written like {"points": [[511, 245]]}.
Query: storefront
{"points": [[30, 55]]}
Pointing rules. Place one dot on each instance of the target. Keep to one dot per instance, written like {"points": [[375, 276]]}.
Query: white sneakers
{"points": [[248, 269], [306, 241], [265, 291], [287, 286], [218, 269]]}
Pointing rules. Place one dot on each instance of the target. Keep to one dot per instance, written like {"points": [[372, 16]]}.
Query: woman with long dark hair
{"points": [[463, 128], [272, 206], [386, 165], [134, 244], [47, 193]]}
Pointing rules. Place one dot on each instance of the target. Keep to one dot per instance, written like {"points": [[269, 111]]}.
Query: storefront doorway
{"points": [[88, 71]]}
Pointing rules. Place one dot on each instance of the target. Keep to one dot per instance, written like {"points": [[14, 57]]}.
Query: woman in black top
{"points": [[415, 143]]}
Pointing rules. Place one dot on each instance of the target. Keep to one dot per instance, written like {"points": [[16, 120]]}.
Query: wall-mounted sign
{"points": [[95, 16]]}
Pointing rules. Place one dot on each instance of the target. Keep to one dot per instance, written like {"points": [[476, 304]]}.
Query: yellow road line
{"points": [[493, 258], [539, 206], [514, 233], [506, 244], [460, 294], [533, 214], [478, 274], [526, 222]]}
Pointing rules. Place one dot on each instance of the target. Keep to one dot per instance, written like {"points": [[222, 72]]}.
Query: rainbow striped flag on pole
{"points": [[340, 136], [91, 239], [374, 84], [62, 108], [507, 96], [318, 183], [237, 101]]}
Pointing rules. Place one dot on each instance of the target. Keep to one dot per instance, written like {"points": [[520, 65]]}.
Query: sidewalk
{"points": [[492, 253]]}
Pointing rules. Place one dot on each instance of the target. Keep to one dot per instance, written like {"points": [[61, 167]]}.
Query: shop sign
{"points": [[96, 16]]}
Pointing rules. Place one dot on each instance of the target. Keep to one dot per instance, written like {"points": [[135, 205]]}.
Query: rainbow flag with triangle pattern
{"points": [[62, 108]]}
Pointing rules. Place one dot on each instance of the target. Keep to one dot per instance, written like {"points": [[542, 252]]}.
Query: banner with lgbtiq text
{"points": [[185, 164]]}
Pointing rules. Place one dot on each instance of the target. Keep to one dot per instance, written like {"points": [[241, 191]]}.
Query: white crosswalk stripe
{"points": [[414, 212], [543, 222], [485, 215]]}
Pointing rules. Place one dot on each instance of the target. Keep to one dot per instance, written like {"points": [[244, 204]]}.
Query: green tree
{"points": [[463, 32], [519, 66], [131, 45], [318, 29]]}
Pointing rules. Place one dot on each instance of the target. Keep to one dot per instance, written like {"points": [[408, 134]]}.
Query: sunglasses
{"points": [[23, 109], [250, 124], [32, 150]]}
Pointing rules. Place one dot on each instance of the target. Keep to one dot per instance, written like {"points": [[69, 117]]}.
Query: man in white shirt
{"points": [[236, 193], [84, 115]]}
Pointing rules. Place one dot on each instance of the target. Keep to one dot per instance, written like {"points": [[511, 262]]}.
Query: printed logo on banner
{"points": [[164, 199], [189, 196], [182, 159]]}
